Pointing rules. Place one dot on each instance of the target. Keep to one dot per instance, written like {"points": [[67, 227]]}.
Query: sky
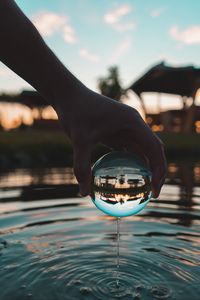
{"points": [[89, 36]]}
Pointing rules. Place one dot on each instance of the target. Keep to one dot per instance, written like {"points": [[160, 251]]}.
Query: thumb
{"points": [[82, 167]]}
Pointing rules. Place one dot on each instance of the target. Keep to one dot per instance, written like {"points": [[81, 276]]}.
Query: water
{"points": [[121, 184], [118, 257], [53, 246]]}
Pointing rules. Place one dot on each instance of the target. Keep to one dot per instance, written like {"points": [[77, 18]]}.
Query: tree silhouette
{"points": [[31, 99], [110, 85]]}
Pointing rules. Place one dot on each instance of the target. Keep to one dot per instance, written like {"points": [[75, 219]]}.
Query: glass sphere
{"points": [[121, 184]]}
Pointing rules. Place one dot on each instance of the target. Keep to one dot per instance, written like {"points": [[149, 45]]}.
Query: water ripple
{"points": [[77, 260]]}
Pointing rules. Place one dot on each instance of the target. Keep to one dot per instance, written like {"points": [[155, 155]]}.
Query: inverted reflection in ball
{"points": [[121, 184]]}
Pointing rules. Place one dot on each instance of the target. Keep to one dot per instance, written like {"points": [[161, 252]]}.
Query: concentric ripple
{"points": [[77, 260], [65, 249]]}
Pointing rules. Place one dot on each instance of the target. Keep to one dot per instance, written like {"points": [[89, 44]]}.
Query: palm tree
{"points": [[110, 85]]}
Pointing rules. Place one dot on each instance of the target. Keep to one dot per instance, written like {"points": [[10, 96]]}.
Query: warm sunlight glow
{"points": [[157, 128], [197, 124], [197, 97], [49, 113], [13, 115], [172, 168], [149, 120]]}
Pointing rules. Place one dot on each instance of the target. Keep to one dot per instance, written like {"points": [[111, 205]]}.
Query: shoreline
{"points": [[29, 149]]}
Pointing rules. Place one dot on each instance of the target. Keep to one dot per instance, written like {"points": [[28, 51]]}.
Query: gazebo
{"points": [[31, 99], [182, 81]]}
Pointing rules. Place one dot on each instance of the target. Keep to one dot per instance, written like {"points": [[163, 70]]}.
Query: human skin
{"points": [[86, 116]]}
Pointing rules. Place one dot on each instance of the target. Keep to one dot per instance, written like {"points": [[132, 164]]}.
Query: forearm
{"points": [[24, 51]]}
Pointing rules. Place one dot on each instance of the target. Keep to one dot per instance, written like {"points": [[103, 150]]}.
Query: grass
{"points": [[43, 148], [181, 145], [38, 148]]}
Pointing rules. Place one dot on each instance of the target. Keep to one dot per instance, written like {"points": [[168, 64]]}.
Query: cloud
{"points": [[121, 49], [88, 56], [69, 34], [48, 22], [189, 36], [125, 26], [114, 17], [157, 12]]}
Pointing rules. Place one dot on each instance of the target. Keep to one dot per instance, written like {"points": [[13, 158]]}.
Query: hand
{"points": [[87, 117], [94, 118]]}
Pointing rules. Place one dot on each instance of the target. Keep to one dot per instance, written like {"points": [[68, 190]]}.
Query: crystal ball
{"points": [[121, 184]]}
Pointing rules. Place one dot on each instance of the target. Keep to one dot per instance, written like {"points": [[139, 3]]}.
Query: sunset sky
{"points": [[91, 35]]}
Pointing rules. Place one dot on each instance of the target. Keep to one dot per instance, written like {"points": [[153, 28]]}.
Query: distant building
{"points": [[31, 99], [173, 120]]}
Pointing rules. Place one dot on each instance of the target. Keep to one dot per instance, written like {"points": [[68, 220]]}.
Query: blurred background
{"points": [[145, 54]]}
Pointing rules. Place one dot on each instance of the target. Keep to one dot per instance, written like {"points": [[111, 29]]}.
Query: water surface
{"points": [[56, 245]]}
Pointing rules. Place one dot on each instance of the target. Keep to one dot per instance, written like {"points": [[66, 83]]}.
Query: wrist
{"points": [[67, 96], [64, 89]]}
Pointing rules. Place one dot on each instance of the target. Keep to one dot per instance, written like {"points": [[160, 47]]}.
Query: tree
{"points": [[110, 85]]}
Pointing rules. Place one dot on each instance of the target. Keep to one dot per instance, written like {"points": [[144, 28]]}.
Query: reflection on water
{"points": [[26, 177], [54, 247], [37, 184]]}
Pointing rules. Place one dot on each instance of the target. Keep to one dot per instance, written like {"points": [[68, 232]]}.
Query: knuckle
{"points": [[133, 113]]}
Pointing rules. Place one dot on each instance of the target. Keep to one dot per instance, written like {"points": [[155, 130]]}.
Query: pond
{"points": [[57, 245]]}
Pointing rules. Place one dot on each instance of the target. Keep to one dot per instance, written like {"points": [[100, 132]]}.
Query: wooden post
{"points": [[189, 120], [184, 98], [159, 102], [143, 106]]}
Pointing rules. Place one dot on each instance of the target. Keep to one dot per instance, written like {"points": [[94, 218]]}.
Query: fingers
{"points": [[154, 150], [114, 142], [145, 144], [82, 166], [158, 179], [122, 142], [135, 149]]}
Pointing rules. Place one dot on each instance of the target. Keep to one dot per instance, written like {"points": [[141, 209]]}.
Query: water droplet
{"points": [[85, 290], [23, 286], [160, 291], [139, 287], [121, 184], [29, 295], [137, 296], [76, 282]]}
